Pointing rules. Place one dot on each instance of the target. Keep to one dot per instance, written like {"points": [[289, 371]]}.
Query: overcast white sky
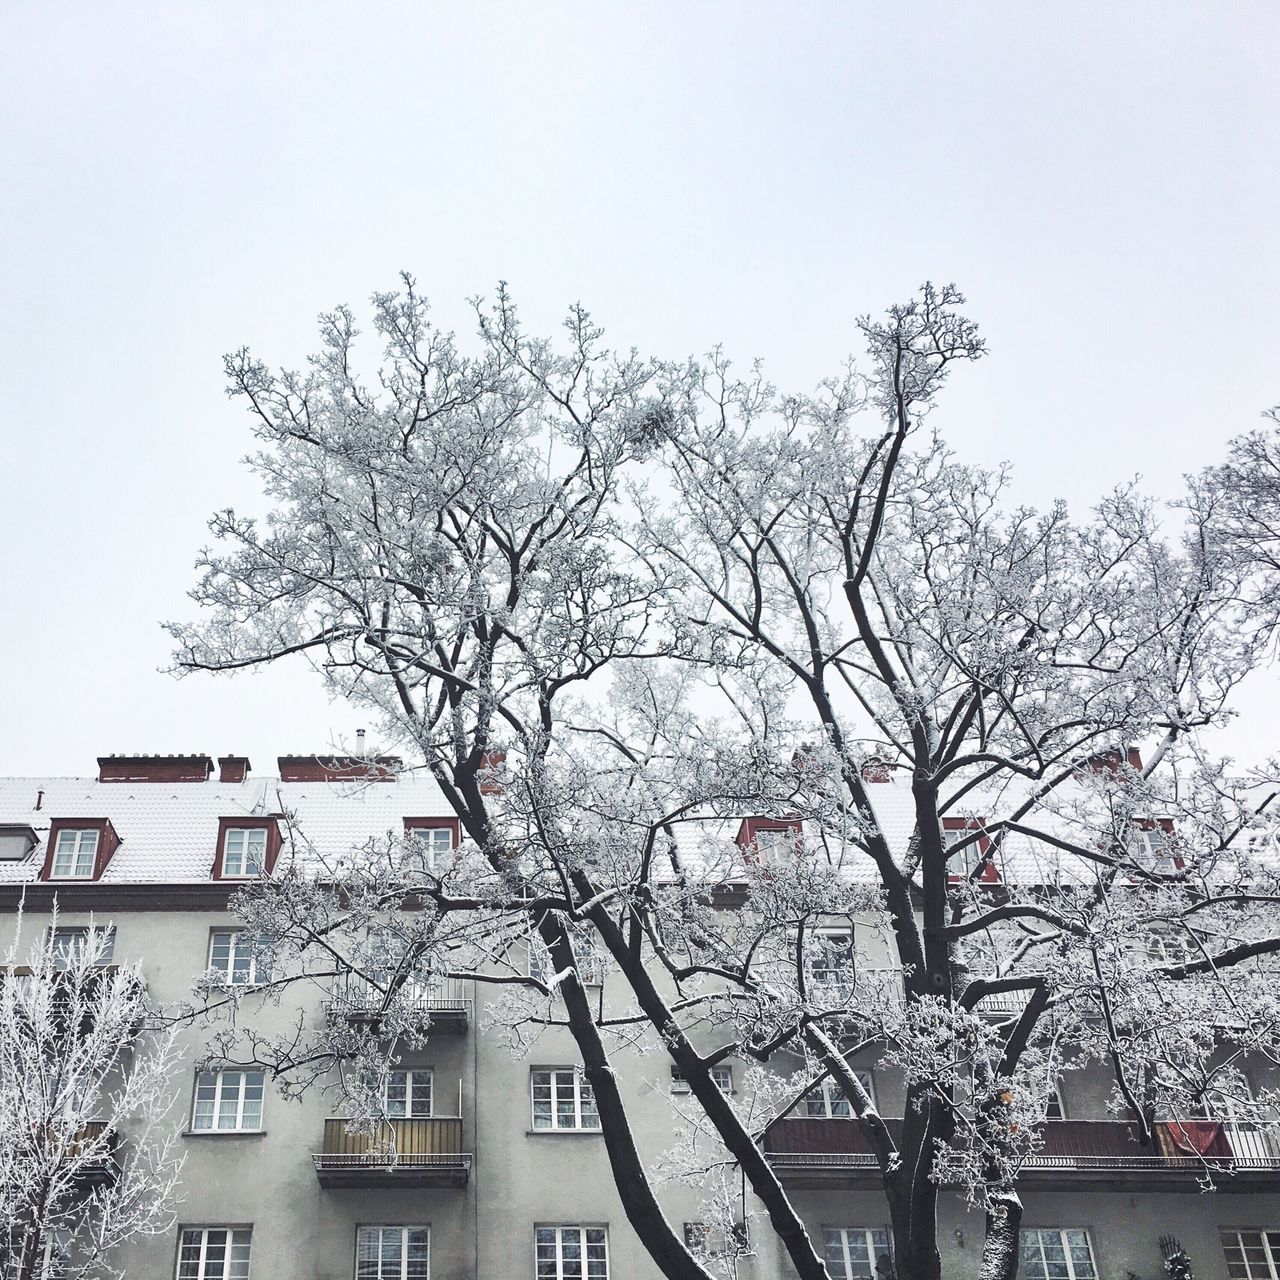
{"points": [[178, 179]]}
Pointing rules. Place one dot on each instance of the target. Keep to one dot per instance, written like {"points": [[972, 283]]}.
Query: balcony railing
{"points": [[443, 1002], [820, 1152], [424, 1152]]}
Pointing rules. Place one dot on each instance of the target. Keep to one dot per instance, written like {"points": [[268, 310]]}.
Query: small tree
{"points": [[611, 604], [88, 1149]]}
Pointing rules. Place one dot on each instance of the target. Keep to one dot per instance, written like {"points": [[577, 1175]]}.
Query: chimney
{"points": [[338, 768], [233, 768], [490, 766], [126, 768], [876, 770], [360, 743]]}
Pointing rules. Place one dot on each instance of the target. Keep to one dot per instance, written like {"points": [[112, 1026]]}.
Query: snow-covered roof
{"points": [[168, 831]]}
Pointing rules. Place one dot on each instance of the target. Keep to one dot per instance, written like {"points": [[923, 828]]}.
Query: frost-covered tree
{"points": [[88, 1144], [614, 605]]}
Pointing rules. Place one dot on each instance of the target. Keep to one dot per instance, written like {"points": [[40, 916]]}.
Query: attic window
{"points": [[79, 848], [771, 840], [429, 843], [1151, 846], [247, 848], [16, 842], [958, 835]]}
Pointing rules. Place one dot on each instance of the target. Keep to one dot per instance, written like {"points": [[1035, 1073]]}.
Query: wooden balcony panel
{"points": [[424, 1152]]}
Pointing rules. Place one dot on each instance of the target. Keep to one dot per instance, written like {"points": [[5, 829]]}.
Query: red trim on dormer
{"points": [[270, 824], [434, 824], [990, 873], [108, 843]]}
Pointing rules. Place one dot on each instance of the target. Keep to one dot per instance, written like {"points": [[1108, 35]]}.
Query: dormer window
{"points": [[428, 843], [770, 840], [75, 854], [1152, 846], [247, 849], [79, 848], [968, 839], [244, 851]]}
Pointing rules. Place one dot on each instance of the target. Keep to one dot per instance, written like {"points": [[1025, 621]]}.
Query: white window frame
{"points": [[971, 855], [234, 1238], [564, 1083], [73, 856], [833, 963], [222, 1093], [559, 1236], [376, 1233], [721, 1074], [424, 847], [777, 846], [242, 947], [413, 1080], [79, 933], [830, 1102], [590, 963], [1061, 1232], [1233, 1238], [875, 1241], [243, 854]]}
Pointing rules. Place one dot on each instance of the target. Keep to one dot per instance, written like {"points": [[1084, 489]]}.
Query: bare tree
{"points": [[614, 605], [88, 1147]]}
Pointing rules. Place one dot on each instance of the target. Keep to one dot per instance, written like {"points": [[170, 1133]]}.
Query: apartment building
{"points": [[501, 1172]]}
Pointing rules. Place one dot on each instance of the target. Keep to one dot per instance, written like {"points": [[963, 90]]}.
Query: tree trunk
{"points": [[1000, 1246], [913, 1194], [641, 1206]]}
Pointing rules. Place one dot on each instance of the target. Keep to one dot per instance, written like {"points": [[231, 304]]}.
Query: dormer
{"points": [[16, 841], [770, 840], [959, 833], [79, 849], [247, 847], [430, 842], [1153, 847]]}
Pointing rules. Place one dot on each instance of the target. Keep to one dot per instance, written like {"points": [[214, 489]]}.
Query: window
{"points": [[831, 965], [1252, 1255], [244, 852], [771, 840], [75, 853], [393, 1253], [227, 1102], [828, 1102], [54, 1248], [69, 941], [233, 958], [958, 835], [214, 1253], [722, 1075], [428, 844], [1055, 1108], [588, 960], [571, 1253], [1053, 1254], [562, 1099], [854, 1253], [1151, 846], [408, 1095]]}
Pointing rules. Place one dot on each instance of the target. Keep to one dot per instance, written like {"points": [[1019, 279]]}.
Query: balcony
{"points": [[405, 1153], [817, 1154], [442, 1003]]}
